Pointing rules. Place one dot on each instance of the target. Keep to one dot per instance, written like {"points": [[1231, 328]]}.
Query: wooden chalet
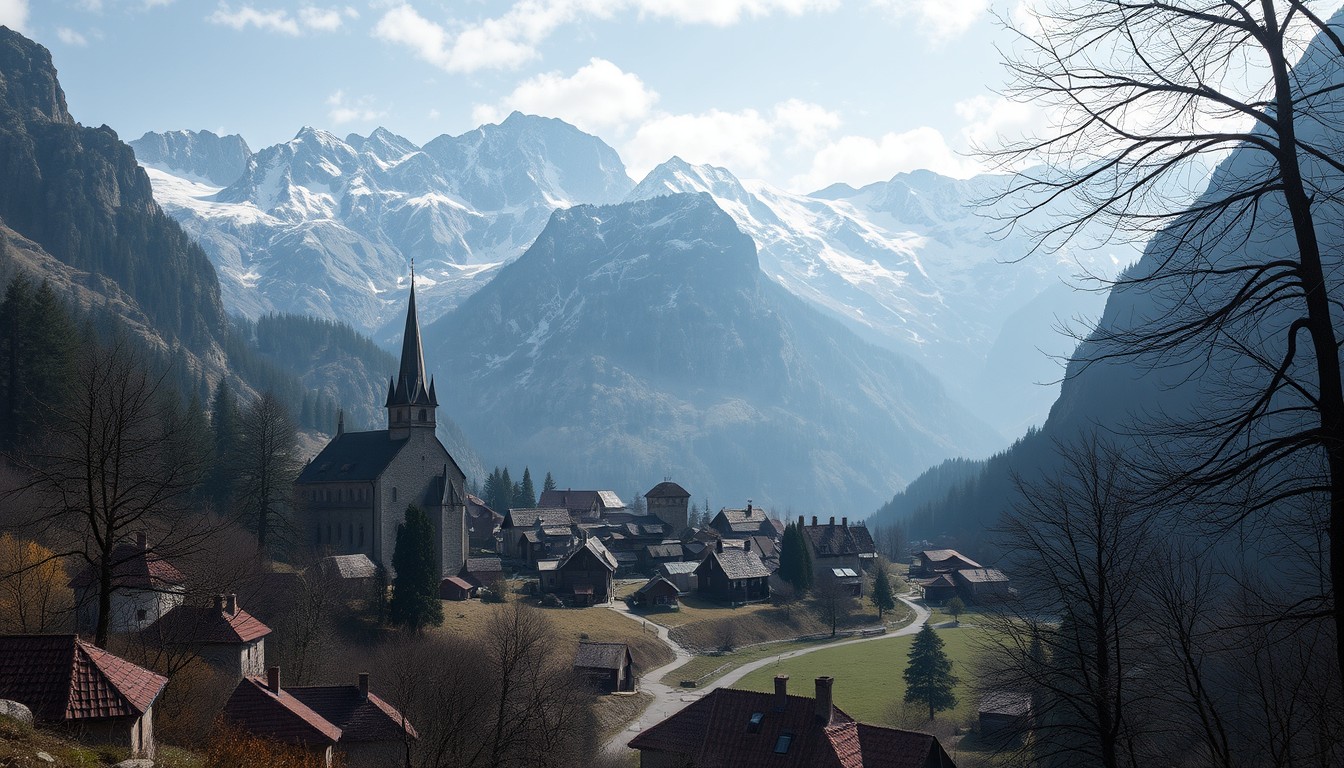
{"points": [[536, 534], [482, 525], [78, 688], [938, 589], [748, 729], [931, 562], [657, 592], [584, 577], [1004, 715], [982, 585], [457, 589], [731, 575], [681, 574], [608, 667], [741, 523]]}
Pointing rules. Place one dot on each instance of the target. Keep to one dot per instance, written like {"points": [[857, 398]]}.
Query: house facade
{"points": [[355, 492], [608, 667], [731, 575], [223, 635], [144, 588], [670, 503], [839, 551], [584, 577]]}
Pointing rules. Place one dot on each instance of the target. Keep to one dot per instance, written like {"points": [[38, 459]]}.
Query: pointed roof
{"points": [[413, 386], [60, 677]]}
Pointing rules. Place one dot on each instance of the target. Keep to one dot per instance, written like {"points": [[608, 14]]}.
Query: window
{"points": [[361, 534], [783, 742], [394, 493], [754, 724], [422, 415]]}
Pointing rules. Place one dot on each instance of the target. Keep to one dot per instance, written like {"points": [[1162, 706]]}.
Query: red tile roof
{"points": [[280, 716], [189, 624], [134, 567], [60, 677], [359, 719]]}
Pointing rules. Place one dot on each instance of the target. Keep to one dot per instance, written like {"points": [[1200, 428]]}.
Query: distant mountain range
{"points": [[639, 338]]}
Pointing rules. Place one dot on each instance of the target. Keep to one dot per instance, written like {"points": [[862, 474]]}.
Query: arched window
{"points": [[394, 494], [361, 534]]}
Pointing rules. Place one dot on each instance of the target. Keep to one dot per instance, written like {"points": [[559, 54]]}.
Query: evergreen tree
{"points": [[505, 492], [928, 674], [548, 484], [883, 599], [224, 419], [37, 352], [524, 496], [795, 563], [415, 590], [490, 493], [693, 519]]}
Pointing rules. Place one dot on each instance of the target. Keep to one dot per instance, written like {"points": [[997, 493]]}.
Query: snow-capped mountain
{"points": [[639, 339], [202, 156], [328, 227], [909, 265]]}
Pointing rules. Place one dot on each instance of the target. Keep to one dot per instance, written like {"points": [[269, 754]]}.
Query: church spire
{"points": [[411, 399]]}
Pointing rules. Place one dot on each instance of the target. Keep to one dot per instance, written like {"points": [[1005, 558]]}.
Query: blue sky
{"points": [[801, 93]]}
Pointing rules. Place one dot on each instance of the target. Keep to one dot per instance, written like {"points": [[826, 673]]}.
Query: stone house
{"points": [[325, 719], [670, 503], [223, 635], [78, 688], [144, 588]]}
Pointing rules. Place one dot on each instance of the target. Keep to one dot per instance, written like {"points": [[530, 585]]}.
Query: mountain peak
{"points": [[676, 175], [28, 84], [221, 160]]}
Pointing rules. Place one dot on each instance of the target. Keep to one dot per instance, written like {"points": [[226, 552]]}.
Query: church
{"points": [[355, 492]]}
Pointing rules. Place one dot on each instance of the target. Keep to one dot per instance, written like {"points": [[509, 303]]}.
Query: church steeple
{"points": [[411, 400]]}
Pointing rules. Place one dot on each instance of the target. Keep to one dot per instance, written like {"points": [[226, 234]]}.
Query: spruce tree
{"points": [[506, 492], [415, 590], [224, 418], [524, 495], [795, 563], [548, 484], [928, 674], [883, 599]]}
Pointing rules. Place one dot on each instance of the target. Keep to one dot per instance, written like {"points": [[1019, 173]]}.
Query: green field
{"points": [[869, 685]]}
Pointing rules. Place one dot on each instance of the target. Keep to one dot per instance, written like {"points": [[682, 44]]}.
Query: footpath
{"points": [[668, 700]]}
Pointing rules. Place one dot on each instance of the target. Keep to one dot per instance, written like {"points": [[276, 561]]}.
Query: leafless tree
{"points": [[266, 464], [114, 465], [833, 601], [1138, 94]]}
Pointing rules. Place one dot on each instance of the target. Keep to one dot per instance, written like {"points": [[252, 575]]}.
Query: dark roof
{"points": [[412, 387], [982, 576], [598, 551], [280, 716], [490, 565], [763, 546], [206, 624], [448, 585], [655, 583], [581, 500], [830, 540], [601, 655], [746, 521], [353, 457], [60, 677], [863, 539], [886, 747], [738, 564], [678, 567], [551, 517], [359, 719], [667, 490], [941, 580], [663, 550], [134, 567], [946, 557]]}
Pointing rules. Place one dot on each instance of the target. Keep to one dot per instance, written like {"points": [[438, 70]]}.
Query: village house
{"points": [[657, 554], [946, 573], [741, 523], [682, 575], [91, 695], [657, 592], [1004, 715], [355, 492], [482, 525], [982, 585], [729, 727], [670, 503], [608, 667], [223, 635], [144, 588], [484, 572], [731, 575], [583, 506], [352, 577], [938, 589], [457, 588], [536, 533], [584, 577], [839, 552], [324, 719], [931, 562]]}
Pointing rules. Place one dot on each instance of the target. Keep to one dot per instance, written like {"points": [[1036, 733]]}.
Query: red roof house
{"points": [[100, 698], [144, 588], [747, 729], [322, 718], [223, 635]]}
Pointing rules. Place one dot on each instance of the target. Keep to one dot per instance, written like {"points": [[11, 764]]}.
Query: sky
{"points": [[800, 93]]}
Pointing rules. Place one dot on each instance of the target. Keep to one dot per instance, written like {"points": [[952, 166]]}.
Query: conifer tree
{"points": [[883, 599], [928, 674], [415, 590], [224, 418], [524, 495], [795, 562], [548, 484]]}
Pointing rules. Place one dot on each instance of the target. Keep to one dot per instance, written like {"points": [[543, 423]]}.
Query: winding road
{"points": [[668, 700]]}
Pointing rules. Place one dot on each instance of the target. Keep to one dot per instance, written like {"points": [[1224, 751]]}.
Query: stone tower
{"points": [[671, 503]]}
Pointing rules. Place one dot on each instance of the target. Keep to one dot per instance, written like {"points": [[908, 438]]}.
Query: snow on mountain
{"points": [[199, 156], [328, 226], [909, 265]]}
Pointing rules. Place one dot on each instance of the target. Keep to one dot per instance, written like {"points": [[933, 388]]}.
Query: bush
{"points": [[232, 748]]}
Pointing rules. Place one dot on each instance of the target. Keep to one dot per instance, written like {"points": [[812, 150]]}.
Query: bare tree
{"points": [[114, 465], [833, 601], [1139, 93], [266, 463]]}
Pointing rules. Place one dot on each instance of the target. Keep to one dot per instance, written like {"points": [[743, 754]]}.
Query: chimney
{"points": [[273, 680], [824, 707], [844, 522], [718, 545], [746, 545], [801, 522], [832, 520], [231, 603], [781, 692], [364, 685], [814, 521], [749, 507], [219, 603], [140, 540]]}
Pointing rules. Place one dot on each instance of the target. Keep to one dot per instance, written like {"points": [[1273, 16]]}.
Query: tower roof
{"points": [[412, 386]]}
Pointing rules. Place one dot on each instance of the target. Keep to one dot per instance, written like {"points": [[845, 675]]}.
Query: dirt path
{"points": [[667, 700]]}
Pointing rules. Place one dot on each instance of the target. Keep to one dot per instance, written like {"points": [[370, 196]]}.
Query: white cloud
{"points": [[739, 141], [599, 96], [71, 37], [859, 160], [511, 39], [358, 110], [14, 14], [939, 20], [993, 121], [308, 18], [157, 3], [808, 123]]}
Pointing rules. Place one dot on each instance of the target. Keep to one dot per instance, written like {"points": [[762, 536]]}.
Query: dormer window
{"points": [[783, 742], [754, 724]]}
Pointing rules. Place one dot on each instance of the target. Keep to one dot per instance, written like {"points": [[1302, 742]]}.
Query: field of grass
{"points": [[868, 677], [598, 624], [615, 713]]}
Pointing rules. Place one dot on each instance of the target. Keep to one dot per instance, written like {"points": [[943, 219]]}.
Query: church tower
{"points": [[411, 400]]}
